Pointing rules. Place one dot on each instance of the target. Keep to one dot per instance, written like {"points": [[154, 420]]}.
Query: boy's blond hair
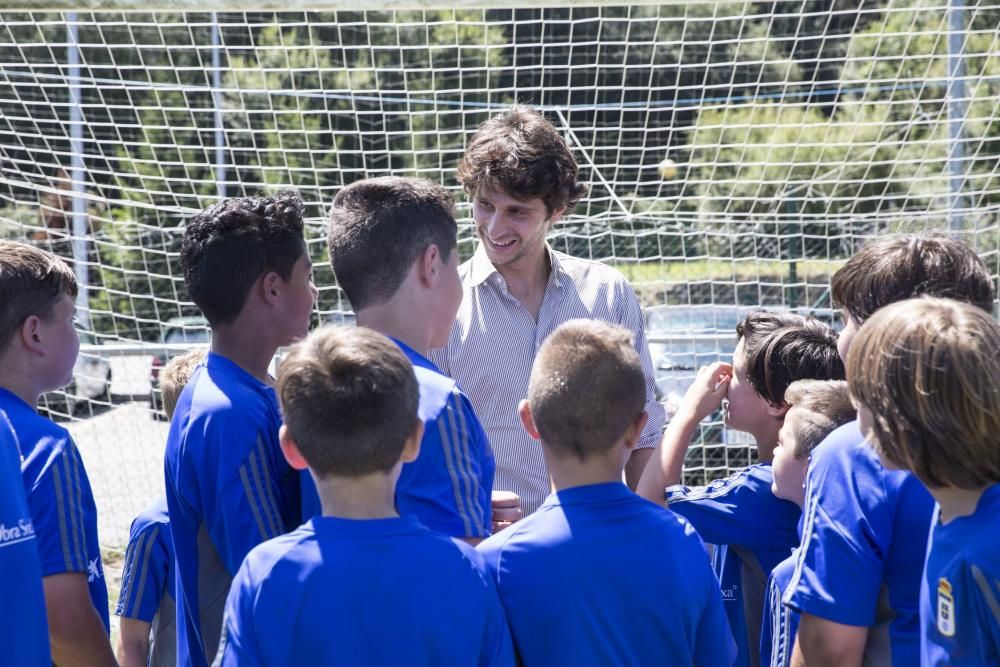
{"points": [[821, 407], [586, 387], [928, 369], [175, 375]]}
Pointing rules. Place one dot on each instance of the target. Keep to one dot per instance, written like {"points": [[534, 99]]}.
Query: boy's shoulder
{"points": [[974, 539], [220, 389], [436, 388], [154, 516], [753, 480], [35, 434]]}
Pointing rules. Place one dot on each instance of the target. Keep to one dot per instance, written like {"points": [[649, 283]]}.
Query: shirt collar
{"points": [[482, 269]]}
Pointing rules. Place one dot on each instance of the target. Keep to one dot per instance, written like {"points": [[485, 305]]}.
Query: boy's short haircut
{"points": [[586, 387], [31, 281], [927, 369], [232, 243], [822, 406], [379, 227], [175, 376], [520, 153], [782, 347], [897, 268], [349, 397]]}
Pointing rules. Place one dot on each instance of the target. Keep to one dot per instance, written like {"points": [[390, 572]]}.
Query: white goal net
{"points": [[737, 153]]}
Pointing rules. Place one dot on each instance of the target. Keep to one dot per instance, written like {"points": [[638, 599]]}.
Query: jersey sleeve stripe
{"points": [[987, 591], [471, 476], [132, 553], [268, 500], [76, 463], [446, 423], [150, 541], [68, 537], [248, 490]]}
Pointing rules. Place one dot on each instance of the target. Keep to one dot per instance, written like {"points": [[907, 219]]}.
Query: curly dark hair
{"points": [[522, 154], [229, 245]]}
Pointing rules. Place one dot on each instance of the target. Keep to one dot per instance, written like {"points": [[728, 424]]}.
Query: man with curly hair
{"points": [[522, 179]]}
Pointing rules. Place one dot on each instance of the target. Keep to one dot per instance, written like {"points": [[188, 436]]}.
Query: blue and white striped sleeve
{"points": [[145, 573], [469, 461], [56, 501]]}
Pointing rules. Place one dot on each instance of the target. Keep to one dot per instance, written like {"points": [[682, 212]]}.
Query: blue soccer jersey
{"points": [[148, 582], [59, 498], [24, 632], [568, 580], [364, 592], [960, 596], [781, 622], [753, 531], [448, 487], [229, 488], [864, 538]]}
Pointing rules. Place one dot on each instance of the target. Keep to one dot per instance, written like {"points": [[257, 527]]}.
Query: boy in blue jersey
{"points": [[566, 574], [393, 248], [23, 630], [38, 348], [146, 610], [815, 409], [359, 584], [924, 375], [857, 581], [773, 350], [228, 486]]}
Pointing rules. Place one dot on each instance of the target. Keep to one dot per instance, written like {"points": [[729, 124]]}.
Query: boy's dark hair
{"points": [[586, 387], [31, 281], [520, 153], [822, 406], [893, 269], [927, 370], [379, 227], [349, 398], [231, 244], [175, 375], [781, 348]]}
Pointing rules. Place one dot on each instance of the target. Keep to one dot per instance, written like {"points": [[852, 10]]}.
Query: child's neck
{"points": [[956, 502], [402, 323], [17, 378], [370, 496], [245, 347], [766, 442], [568, 471]]}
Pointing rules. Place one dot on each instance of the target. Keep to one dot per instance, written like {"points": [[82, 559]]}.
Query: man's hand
{"points": [[705, 394], [506, 509]]}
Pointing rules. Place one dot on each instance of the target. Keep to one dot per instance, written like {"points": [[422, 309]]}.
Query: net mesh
{"points": [[737, 153]]}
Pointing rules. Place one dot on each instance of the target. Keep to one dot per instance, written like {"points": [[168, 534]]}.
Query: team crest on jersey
{"points": [[945, 608]]}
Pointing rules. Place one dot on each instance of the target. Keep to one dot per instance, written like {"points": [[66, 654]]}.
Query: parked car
{"points": [[193, 331], [91, 382]]}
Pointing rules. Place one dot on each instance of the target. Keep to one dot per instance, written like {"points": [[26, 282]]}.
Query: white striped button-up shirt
{"points": [[493, 344]]}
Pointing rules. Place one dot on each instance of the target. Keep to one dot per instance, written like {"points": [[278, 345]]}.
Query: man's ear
{"points": [[556, 216], [777, 410], [31, 334], [634, 429], [527, 420], [429, 265], [411, 448], [290, 449]]}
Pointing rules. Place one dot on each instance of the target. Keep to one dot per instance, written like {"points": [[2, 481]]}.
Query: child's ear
{"points": [[270, 287], [31, 333], [777, 410], [429, 265], [527, 420], [634, 429], [411, 448], [291, 450]]}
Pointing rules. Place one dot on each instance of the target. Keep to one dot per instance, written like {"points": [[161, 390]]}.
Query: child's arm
{"points": [[76, 634], [822, 642], [133, 643], [702, 398]]}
